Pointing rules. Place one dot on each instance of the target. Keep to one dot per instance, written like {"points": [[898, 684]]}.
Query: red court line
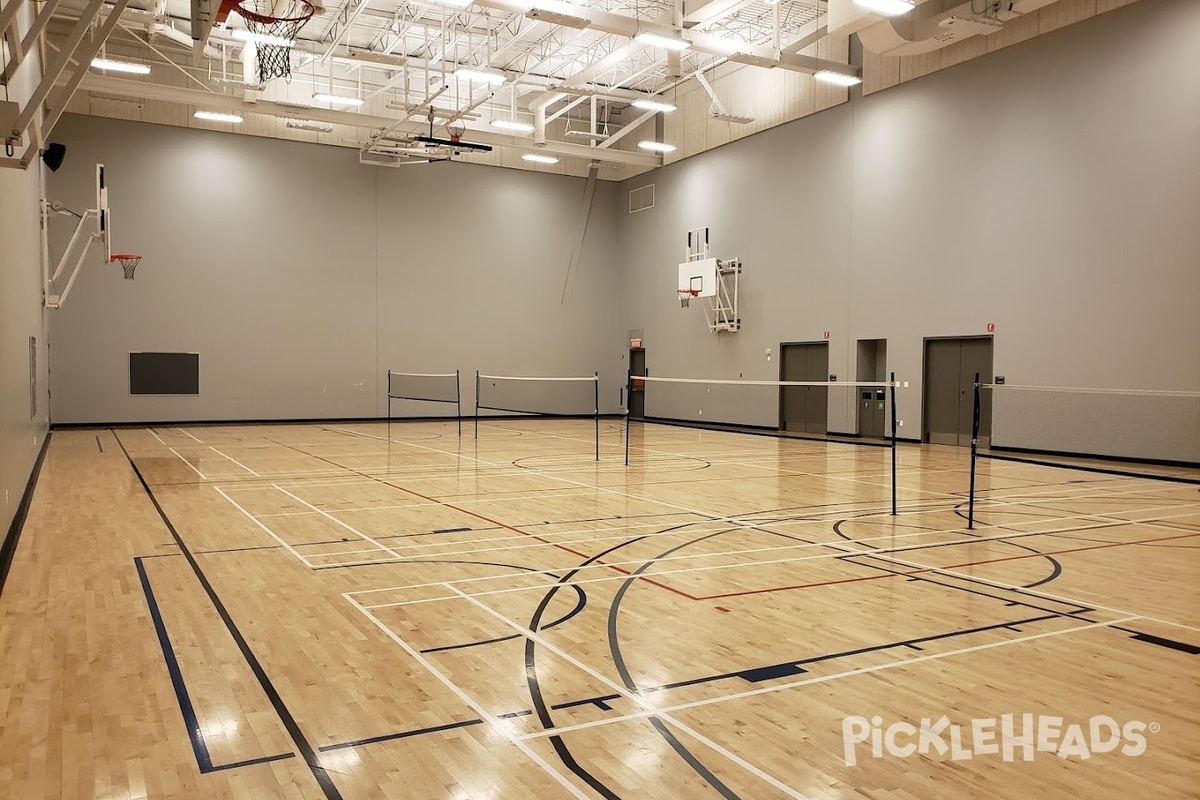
{"points": [[935, 569], [496, 522]]}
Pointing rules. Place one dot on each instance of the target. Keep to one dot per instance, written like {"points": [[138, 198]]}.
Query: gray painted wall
{"points": [[300, 277], [1050, 188], [21, 315]]}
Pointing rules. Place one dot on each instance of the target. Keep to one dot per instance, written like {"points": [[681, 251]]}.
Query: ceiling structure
{"points": [[553, 79]]}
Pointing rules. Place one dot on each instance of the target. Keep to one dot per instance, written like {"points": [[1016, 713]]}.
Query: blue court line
{"points": [[199, 746]]}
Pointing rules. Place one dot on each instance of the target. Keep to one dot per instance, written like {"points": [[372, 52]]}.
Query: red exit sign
{"points": [[991, 327]]}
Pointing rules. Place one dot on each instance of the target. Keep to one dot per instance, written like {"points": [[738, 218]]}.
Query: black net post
{"points": [[892, 392], [628, 406], [597, 398], [476, 404], [974, 454], [458, 400]]}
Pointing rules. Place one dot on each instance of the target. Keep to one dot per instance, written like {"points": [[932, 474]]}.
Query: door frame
{"points": [[779, 421], [925, 369], [629, 389]]}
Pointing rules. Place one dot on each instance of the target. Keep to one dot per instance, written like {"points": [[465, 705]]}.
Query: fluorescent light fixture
{"points": [[454, 3], [217, 116], [512, 125], [658, 147], [668, 42], [336, 99], [539, 159], [261, 38], [653, 105], [479, 75], [120, 66], [886, 8], [837, 78], [309, 125]]}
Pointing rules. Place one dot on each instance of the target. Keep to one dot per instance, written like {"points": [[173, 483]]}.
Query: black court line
{"points": [[190, 721], [9, 548], [1101, 470], [1183, 647], [289, 722], [614, 649], [748, 674], [99, 445]]}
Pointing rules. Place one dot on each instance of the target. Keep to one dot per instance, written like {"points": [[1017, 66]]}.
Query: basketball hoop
{"points": [[456, 128], [685, 296], [129, 263], [277, 32]]}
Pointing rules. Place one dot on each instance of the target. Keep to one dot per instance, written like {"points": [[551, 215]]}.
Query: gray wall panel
{"points": [[21, 316], [1049, 188], [300, 276]]}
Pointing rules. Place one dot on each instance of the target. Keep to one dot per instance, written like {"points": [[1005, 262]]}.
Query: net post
{"points": [[892, 392], [388, 392], [974, 454], [476, 404], [628, 407], [597, 397], [458, 400]]}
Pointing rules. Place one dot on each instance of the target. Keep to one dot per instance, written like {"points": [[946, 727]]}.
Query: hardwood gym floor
{"points": [[312, 611]]}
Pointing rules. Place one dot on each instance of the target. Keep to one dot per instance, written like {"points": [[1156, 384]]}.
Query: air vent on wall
{"points": [[641, 198]]}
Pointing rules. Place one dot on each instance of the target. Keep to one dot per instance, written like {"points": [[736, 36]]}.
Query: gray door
{"points": [[872, 403], [804, 409], [637, 392], [950, 367]]}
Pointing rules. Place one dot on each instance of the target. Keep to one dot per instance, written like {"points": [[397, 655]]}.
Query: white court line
{"points": [[635, 697], [184, 460], [494, 722], [824, 678], [185, 433], [268, 531], [337, 521], [356, 433], [1024, 590], [234, 460], [752, 564], [156, 436], [715, 567], [507, 498], [742, 523]]}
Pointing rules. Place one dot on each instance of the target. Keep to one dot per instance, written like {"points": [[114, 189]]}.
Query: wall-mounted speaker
{"points": [[53, 155]]}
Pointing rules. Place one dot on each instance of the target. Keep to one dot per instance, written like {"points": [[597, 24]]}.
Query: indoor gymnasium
{"points": [[600, 399]]}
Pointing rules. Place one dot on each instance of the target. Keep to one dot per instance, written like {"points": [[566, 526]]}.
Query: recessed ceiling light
{"points": [[336, 99], [110, 65], [512, 125], [216, 116], [309, 125], [539, 159], [653, 105], [838, 78], [887, 8], [658, 147], [480, 76]]}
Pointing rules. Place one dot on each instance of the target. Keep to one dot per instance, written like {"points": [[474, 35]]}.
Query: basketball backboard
{"points": [[104, 223], [699, 276]]}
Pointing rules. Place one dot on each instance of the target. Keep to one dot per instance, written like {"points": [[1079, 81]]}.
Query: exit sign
{"points": [[991, 327]]}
